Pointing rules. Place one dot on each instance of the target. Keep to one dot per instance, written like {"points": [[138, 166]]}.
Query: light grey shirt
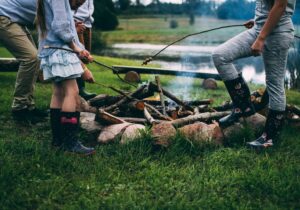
{"points": [[19, 11], [84, 13], [285, 23]]}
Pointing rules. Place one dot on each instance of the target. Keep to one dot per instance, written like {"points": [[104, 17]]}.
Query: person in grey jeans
{"points": [[270, 34]]}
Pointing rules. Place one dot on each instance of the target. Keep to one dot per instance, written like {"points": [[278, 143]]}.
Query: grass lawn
{"points": [[156, 30], [138, 175]]}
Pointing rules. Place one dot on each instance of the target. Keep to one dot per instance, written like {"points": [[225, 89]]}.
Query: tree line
{"points": [[107, 11]]}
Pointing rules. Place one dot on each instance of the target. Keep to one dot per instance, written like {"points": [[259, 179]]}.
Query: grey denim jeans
{"points": [[274, 56]]}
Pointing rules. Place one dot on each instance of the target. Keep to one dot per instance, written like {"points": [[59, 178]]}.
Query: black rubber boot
{"points": [[69, 126], [274, 123], [55, 115], [242, 105], [81, 86]]}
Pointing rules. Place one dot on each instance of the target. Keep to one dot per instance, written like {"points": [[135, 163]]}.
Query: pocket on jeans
{"points": [[4, 22]]}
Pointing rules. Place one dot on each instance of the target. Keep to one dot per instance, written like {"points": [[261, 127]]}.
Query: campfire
{"points": [[123, 116]]}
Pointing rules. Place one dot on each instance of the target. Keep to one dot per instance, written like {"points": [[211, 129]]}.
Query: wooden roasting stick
{"points": [[172, 97], [161, 95]]}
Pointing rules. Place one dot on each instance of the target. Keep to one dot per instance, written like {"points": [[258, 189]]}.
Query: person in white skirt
{"points": [[57, 30]]}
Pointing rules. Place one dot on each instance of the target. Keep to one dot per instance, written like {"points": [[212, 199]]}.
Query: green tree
{"points": [[105, 15]]}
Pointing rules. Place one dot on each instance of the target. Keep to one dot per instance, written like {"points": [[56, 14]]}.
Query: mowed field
{"points": [[139, 175]]}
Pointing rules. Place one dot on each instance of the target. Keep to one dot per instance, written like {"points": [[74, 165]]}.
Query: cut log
{"points": [[208, 116], [163, 133], [209, 84], [132, 76], [85, 107], [148, 116], [107, 118], [139, 120], [201, 132], [132, 132], [112, 132], [104, 100]]}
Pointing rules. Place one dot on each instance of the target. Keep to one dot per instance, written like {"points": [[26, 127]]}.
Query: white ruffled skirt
{"points": [[61, 65]]}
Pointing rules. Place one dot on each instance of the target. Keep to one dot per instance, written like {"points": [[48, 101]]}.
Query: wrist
{"points": [[261, 37]]}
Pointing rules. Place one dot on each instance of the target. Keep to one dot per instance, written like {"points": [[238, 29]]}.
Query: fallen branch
{"points": [[161, 95], [207, 116], [109, 118]]}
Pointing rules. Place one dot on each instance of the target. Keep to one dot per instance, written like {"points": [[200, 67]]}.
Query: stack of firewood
{"points": [[123, 116]]}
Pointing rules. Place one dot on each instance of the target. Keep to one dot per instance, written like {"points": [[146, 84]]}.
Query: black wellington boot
{"points": [[55, 115], [69, 123], [242, 105], [81, 86], [274, 123]]}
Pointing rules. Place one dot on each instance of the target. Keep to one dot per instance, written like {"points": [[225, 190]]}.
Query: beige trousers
{"points": [[17, 39]]}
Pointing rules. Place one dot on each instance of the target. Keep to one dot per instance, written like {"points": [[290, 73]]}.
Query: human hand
{"points": [[80, 27], [249, 24], [87, 75], [257, 46], [85, 56]]}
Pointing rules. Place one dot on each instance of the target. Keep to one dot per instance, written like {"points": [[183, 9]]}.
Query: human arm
{"points": [[274, 16], [61, 24]]}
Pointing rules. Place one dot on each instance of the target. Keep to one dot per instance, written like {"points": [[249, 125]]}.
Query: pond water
{"points": [[180, 57]]}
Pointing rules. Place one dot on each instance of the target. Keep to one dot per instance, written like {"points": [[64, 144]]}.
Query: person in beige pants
{"points": [[14, 16]]}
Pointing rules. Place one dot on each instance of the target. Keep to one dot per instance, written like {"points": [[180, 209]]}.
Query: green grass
{"points": [[156, 30], [139, 175]]}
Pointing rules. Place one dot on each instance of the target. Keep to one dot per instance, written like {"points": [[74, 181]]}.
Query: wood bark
{"points": [[108, 118], [208, 116], [161, 95]]}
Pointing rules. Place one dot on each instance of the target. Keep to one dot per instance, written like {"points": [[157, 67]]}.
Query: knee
{"points": [[31, 57], [218, 57]]}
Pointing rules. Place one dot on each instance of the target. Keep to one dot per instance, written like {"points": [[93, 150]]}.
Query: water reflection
{"points": [[195, 58]]}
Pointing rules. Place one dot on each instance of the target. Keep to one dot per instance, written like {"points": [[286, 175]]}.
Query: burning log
{"points": [[125, 98], [172, 97], [161, 116]]}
